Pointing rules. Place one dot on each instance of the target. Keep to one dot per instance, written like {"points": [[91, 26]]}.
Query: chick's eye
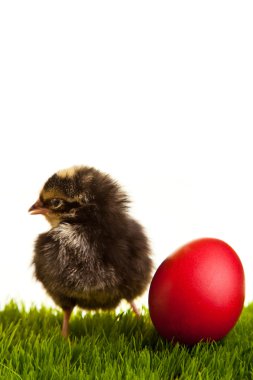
{"points": [[56, 203]]}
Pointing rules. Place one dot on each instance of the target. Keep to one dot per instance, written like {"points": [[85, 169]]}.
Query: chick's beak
{"points": [[38, 208]]}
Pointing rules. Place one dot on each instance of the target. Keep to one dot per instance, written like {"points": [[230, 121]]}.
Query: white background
{"points": [[158, 94]]}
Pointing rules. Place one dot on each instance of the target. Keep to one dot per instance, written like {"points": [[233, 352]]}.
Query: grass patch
{"points": [[109, 346]]}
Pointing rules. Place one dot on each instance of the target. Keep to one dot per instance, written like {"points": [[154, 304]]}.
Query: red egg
{"points": [[198, 292]]}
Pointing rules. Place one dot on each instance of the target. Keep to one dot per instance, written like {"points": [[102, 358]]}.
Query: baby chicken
{"points": [[95, 254]]}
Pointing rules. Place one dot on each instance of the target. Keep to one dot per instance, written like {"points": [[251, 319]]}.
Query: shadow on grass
{"points": [[110, 327], [103, 327]]}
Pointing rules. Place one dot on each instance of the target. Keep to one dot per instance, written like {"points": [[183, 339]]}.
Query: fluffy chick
{"points": [[95, 254]]}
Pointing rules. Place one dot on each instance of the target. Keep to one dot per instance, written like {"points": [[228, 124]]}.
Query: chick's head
{"points": [[78, 193]]}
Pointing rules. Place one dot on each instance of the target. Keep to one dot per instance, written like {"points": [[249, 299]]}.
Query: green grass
{"points": [[109, 346]]}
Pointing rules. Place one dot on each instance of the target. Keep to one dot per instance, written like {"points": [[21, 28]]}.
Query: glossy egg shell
{"points": [[198, 292]]}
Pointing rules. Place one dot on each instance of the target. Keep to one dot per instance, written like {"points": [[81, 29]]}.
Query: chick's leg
{"points": [[135, 309], [65, 323]]}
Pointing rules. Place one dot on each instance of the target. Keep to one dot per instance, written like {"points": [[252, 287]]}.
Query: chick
{"points": [[95, 254]]}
